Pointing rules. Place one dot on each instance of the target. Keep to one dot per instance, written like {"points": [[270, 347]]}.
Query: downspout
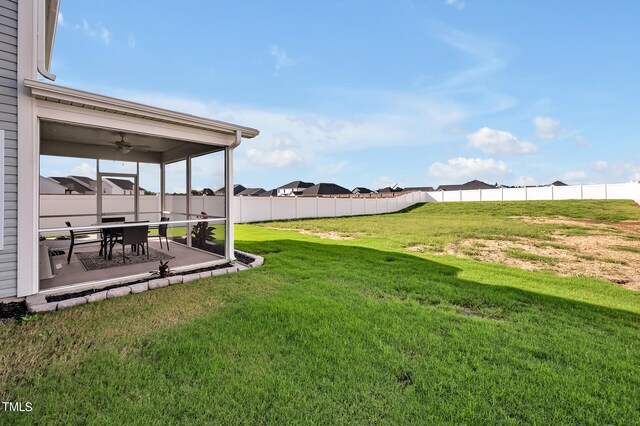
{"points": [[229, 239], [42, 65]]}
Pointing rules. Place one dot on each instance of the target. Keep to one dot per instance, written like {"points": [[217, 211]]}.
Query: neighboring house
{"points": [[325, 189], [120, 187], [87, 181], [51, 187], [361, 190], [471, 185], [389, 189], [418, 188], [251, 192], [558, 183], [237, 189], [73, 186], [269, 193], [293, 188], [43, 118]]}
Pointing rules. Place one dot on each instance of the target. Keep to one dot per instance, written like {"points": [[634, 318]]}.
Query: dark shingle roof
{"points": [[251, 192], [296, 184], [361, 190], [558, 183], [74, 185], [473, 184], [418, 188], [325, 189], [124, 184], [237, 188], [85, 179], [269, 193]]}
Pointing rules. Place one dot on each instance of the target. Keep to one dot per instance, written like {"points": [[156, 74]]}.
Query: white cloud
{"points": [[94, 31], [574, 177], [463, 168], [600, 165], [277, 158], [282, 59], [494, 141], [84, 169], [61, 19], [546, 127], [458, 4], [105, 35], [526, 181]]}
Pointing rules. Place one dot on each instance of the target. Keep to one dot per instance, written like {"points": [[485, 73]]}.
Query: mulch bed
{"points": [[13, 310]]}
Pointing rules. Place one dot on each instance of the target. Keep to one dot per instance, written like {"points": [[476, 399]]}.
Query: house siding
{"points": [[9, 123]]}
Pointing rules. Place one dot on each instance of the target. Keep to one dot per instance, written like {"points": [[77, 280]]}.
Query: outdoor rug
{"points": [[92, 261]]}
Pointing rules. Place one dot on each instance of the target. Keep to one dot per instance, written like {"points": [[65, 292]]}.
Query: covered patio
{"points": [[124, 141]]}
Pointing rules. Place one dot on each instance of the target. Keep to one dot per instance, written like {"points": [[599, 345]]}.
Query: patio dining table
{"points": [[108, 235]]}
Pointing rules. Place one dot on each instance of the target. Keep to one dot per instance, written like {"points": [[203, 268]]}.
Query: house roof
{"points": [[558, 183], [418, 188], [361, 190], [237, 189], [296, 184], [124, 184], [85, 179], [472, 184], [269, 193], [325, 189], [390, 189], [73, 185], [251, 192]]}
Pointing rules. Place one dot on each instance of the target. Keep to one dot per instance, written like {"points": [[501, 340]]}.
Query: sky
{"points": [[376, 93]]}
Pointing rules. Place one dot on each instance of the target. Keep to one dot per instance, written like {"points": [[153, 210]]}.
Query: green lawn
{"points": [[349, 331]]}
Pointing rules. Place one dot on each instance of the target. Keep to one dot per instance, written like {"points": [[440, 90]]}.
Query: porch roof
{"points": [[79, 98]]}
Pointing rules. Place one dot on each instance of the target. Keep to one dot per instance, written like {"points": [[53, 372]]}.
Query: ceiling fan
{"points": [[125, 147]]}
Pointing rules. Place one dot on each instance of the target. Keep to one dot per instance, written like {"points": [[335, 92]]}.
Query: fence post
{"points": [[581, 192], [502, 194], [296, 206], [442, 196], [552, 193], [526, 194], [460, 194], [271, 207], [606, 192], [480, 194]]}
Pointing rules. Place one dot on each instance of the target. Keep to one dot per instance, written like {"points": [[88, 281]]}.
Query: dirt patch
{"points": [[589, 255], [330, 235]]}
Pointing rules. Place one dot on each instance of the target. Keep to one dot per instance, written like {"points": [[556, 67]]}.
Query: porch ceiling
{"points": [[70, 140]]}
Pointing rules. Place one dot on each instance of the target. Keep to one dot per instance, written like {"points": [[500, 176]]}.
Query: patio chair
{"points": [[75, 234], [106, 234], [136, 236], [162, 232]]}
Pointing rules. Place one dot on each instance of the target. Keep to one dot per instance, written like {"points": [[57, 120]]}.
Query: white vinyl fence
{"points": [[81, 209]]}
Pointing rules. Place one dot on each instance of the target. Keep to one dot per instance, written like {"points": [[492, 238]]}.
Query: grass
{"points": [[626, 248], [337, 332], [517, 253]]}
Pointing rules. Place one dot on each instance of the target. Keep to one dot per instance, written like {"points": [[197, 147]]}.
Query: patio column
{"points": [[188, 199], [228, 184]]}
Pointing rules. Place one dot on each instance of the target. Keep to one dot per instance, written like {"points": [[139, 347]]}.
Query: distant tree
{"points": [[208, 191], [196, 192]]}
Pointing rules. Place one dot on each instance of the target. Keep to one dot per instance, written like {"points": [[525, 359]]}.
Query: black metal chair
{"points": [[136, 236], [162, 232], [106, 233], [75, 235]]}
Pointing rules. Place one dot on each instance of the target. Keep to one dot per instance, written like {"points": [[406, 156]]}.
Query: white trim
{"points": [[28, 154], [79, 98]]}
